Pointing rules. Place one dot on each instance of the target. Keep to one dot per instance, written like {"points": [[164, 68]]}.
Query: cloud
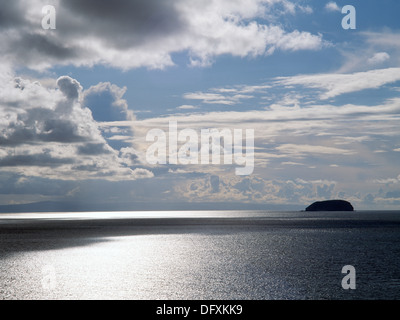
{"points": [[252, 40], [299, 150], [297, 40], [186, 107], [41, 160], [379, 57], [374, 48], [386, 39], [335, 84], [131, 34], [227, 96], [131, 157], [388, 180], [216, 98], [71, 88], [47, 132], [314, 136], [131, 20], [34, 114], [253, 189], [291, 163], [140, 173], [10, 14], [332, 6], [93, 149]]}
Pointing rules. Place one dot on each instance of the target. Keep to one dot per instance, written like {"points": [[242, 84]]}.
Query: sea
{"points": [[200, 255]]}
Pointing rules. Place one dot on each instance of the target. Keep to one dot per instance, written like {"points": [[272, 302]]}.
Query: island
{"points": [[330, 205]]}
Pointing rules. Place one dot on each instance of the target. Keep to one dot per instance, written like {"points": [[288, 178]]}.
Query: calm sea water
{"points": [[199, 255]]}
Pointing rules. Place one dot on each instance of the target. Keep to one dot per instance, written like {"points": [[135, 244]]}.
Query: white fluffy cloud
{"points": [[47, 132], [332, 6], [379, 57]]}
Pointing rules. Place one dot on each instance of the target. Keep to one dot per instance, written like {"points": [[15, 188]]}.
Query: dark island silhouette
{"points": [[330, 205]]}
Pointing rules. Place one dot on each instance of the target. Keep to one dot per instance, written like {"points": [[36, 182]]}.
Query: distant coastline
{"points": [[54, 206]]}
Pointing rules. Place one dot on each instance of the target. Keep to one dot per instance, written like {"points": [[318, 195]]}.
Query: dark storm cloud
{"points": [[124, 23], [64, 131], [88, 167], [18, 135], [93, 149], [69, 87], [29, 48], [114, 26], [44, 45], [37, 160], [35, 126], [10, 13]]}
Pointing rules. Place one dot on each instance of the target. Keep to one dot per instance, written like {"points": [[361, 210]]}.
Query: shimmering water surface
{"points": [[199, 255]]}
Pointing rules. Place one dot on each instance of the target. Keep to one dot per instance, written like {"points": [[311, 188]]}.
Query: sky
{"points": [[83, 87]]}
